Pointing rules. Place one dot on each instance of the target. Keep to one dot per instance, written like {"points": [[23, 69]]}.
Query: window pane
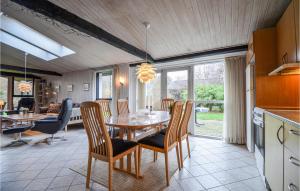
{"points": [[104, 80], [107, 86], [4, 90], [177, 85], [153, 90]]}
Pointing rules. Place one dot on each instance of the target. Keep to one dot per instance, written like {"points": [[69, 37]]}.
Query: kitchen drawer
{"points": [[291, 171], [292, 138]]}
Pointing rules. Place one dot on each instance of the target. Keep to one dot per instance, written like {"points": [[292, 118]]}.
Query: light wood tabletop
{"points": [[136, 121], [23, 117], [139, 120]]}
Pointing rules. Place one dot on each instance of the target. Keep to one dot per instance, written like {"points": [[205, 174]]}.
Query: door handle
{"points": [[292, 187], [294, 132], [294, 161], [281, 142]]}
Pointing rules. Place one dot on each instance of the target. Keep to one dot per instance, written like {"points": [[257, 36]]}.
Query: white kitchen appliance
{"points": [[250, 92]]}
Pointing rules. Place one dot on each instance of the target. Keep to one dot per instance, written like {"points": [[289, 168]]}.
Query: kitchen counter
{"points": [[289, 116]]}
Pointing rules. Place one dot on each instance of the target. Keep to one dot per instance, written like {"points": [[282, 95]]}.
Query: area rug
{"points": [[153, 172]]}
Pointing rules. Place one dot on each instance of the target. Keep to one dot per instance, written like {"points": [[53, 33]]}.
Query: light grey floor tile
{"points": [[38, 184], [208, 181], [196, 170], [190, 184], [220, 188], [62, 181]]}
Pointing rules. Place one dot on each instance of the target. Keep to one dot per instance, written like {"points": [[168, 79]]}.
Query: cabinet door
{"points": [[296, 9], [292, 138], [286, 37], [274, 152], [291, 171]]}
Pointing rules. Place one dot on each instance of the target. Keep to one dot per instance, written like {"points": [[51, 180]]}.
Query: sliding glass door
{"points": [[209, 99], [177, 84]]}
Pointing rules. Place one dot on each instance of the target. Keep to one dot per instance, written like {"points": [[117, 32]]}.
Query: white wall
{"points": [[77, 79]]}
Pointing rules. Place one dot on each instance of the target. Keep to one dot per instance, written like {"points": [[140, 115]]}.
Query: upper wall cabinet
{"points": [[288, 35]]}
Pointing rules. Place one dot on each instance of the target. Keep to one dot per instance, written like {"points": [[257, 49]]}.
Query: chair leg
{"points": [[110, 170], [140, 160], [89, 168], [188, 145], [178, 158], [155, 154], [180, 150], [167, 167], [136, 164]]}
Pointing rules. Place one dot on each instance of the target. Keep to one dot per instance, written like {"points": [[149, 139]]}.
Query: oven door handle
{"points": [[281, 126]]}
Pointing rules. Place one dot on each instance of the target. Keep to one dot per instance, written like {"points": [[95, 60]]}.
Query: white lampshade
{"points": [[25, 87], [146, 72]]}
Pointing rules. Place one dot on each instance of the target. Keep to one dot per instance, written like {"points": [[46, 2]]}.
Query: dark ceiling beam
{"points": [[214, 52], [30, 70], [61, 15], [7, 74]]}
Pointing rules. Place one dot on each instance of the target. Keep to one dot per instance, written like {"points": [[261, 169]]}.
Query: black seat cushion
{"points": [[17, 129], [156, 140], [120, 146], [163, 131]]}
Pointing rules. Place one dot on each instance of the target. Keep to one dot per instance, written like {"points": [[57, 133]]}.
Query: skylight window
{"points": [[20, 36]]}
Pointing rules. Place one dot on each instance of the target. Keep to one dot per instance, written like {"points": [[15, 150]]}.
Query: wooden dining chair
{"points": [[164, 143], [122, 106], [106, 111], [166, 104], [183, 129], [105, 107], [101, 146]]}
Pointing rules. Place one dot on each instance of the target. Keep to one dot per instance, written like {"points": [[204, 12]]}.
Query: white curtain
{"points": [[116, 88], [234, 97]]}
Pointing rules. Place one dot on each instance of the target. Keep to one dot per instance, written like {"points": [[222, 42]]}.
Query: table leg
{"points": [[129, 138]]}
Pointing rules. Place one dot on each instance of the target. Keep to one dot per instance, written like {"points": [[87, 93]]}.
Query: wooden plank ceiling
{"points": [[177, 27]]}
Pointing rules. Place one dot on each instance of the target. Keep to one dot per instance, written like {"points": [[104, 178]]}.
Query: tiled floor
{"points": [[214, 166]]}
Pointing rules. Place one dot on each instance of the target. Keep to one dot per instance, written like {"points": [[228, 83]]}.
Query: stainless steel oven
{"points": [[259, 137]]}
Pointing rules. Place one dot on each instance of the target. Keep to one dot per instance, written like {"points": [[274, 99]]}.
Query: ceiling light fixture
{"points": [[24, 86], [146, 71]]}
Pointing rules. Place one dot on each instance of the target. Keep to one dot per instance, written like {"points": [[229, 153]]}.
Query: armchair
{"points": [[52, 125]]}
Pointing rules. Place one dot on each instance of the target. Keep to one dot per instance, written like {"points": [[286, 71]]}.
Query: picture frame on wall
{"points": [[69, 88], [86, 87]]}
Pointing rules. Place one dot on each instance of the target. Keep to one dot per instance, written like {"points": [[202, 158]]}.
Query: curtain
{"points": [[116, 88], [234, 98]]}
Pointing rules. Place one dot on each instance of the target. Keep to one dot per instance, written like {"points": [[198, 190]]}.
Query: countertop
{"points": [[289, 116]]}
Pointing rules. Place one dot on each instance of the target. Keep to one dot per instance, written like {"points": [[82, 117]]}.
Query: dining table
{"points": [[132, 122], [23, 118]]}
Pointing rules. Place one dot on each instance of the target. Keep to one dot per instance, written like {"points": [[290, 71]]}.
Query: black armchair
{"points": [[26, 102], [52, 125]]}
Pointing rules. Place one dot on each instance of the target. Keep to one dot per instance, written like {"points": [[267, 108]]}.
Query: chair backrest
{"points": [[183, 127], [104, 103], [166, 103], [65, 111], [26, 102], [172, 130], [94, 125], [122, 106]]}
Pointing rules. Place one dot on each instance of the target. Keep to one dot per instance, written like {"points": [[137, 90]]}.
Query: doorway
{"points": [[209, 99]]}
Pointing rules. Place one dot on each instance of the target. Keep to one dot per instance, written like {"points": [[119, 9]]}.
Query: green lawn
{"points": [[209, 124], [210, 116]]}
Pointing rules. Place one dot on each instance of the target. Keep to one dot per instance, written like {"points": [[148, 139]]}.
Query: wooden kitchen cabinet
{"points": [[287, 35], [274, 152]]}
